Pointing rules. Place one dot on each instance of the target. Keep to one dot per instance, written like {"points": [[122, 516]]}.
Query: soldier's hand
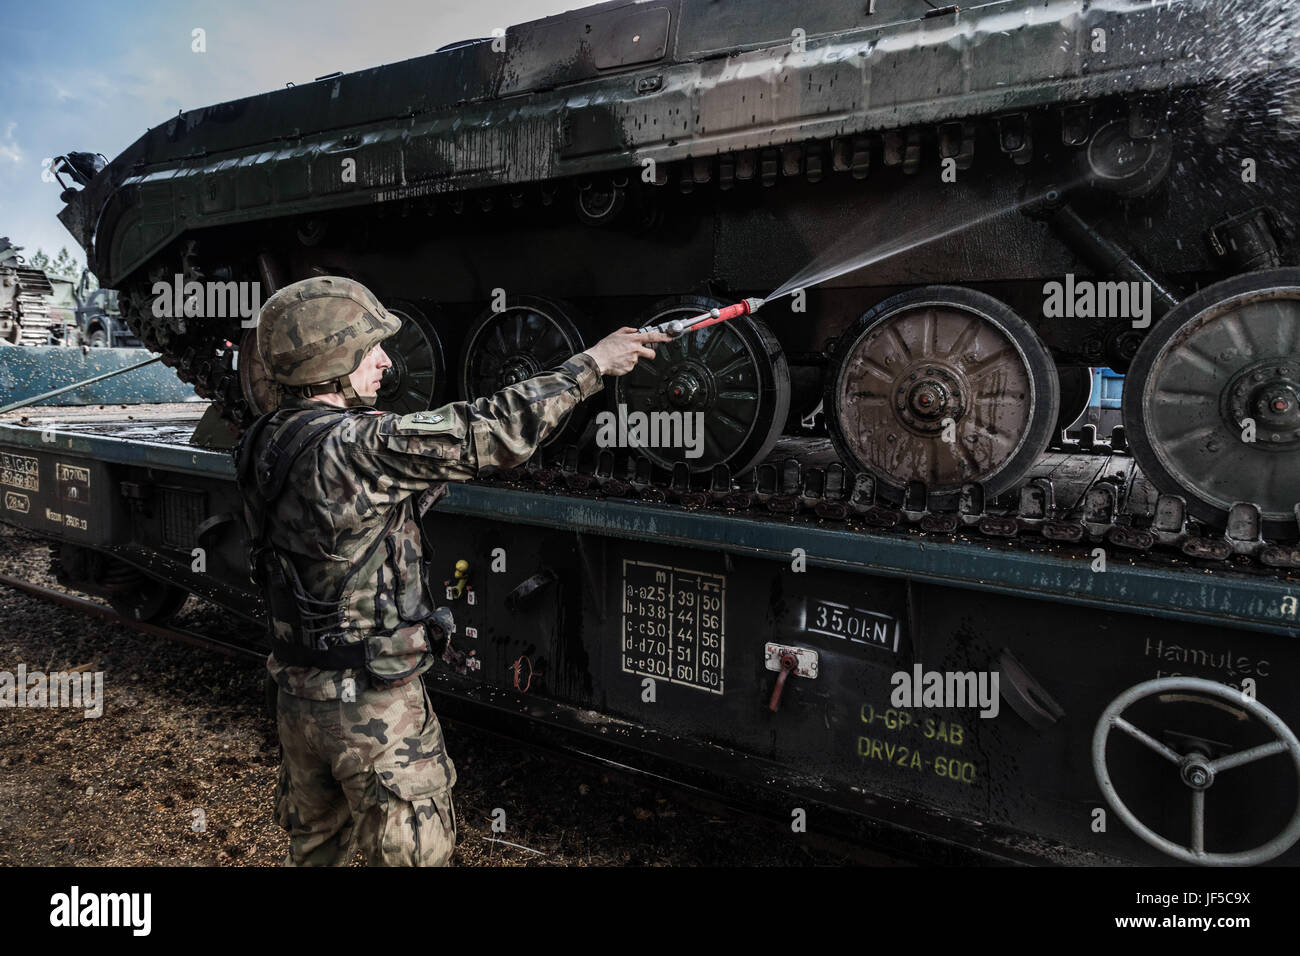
{"points": [[618, 352]]}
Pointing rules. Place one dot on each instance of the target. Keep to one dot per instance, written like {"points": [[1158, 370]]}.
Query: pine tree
{"points": [[66, 266]]}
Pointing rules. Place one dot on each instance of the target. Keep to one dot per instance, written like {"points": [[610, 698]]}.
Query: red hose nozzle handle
{"points": [[743, 307], [712, 317]]}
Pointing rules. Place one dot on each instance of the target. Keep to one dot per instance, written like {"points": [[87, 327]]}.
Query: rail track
{"points": [[103, 612]]}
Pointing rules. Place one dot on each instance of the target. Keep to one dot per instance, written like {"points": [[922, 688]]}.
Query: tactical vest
{"points": [[370, 620]]}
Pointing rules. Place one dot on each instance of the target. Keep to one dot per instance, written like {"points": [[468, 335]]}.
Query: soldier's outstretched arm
{"points": [[462, 440]]}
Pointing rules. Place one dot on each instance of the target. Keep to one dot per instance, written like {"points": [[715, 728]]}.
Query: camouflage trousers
{"points": [[372, 773]]}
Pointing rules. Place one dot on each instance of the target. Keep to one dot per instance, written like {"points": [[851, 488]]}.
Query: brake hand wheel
{"points": [[1196, 770]]}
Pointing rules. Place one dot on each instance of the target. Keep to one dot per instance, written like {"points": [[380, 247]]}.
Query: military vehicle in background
{"points": [[62, 304], [29, 312], [98, 318], [38, 308], [514, 197]]}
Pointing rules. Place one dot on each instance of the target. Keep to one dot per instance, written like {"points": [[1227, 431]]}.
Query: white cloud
{"points": [[9, 149]]}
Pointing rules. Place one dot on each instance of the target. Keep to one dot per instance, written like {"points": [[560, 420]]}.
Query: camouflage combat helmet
{"points": [[313, 334]]}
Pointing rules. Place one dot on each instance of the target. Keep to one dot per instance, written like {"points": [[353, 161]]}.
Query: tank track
{"points": [[1087, 493], [194, 359], [1118, 507], [30, 316]]}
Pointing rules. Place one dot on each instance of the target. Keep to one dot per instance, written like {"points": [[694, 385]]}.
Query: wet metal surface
{"points": [[727, 82], [26, 372]]}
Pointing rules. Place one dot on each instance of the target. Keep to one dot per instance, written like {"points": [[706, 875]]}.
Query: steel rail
{"points": [[108, 614]]}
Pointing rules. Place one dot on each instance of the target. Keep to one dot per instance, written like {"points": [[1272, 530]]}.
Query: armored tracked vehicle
{"points": [[26, 297], [1047, 185]]}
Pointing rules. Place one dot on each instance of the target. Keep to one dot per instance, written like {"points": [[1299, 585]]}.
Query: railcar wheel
{"points": [[528, 336], [733, 374], [418, 376], [1195, 768], [1211, 403], [945, 386]]}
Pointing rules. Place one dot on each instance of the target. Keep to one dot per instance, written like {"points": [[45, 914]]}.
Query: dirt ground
{"points": [[184, 740]]}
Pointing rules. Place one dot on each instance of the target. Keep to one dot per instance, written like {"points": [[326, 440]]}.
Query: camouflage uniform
{"points": [[364, 761], [371, 773]]}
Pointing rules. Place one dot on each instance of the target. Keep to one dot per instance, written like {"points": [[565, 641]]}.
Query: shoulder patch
{"points": [[435, 434], [437, 422]]}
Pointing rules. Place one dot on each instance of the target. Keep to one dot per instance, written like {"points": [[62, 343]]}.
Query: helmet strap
{"points": [[350, 396], [341, 385]]}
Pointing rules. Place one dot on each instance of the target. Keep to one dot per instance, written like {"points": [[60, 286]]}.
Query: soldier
{"points": [[330, 488]]}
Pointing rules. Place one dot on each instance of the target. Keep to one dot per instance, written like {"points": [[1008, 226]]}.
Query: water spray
{"points": [[856, 250], [862, 247], [694, 323]]}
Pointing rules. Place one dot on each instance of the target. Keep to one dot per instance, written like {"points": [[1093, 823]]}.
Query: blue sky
{"points": [[93, 76]]}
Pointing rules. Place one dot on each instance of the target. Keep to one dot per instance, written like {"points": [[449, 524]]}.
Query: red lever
{"points": [[788, 663]]}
